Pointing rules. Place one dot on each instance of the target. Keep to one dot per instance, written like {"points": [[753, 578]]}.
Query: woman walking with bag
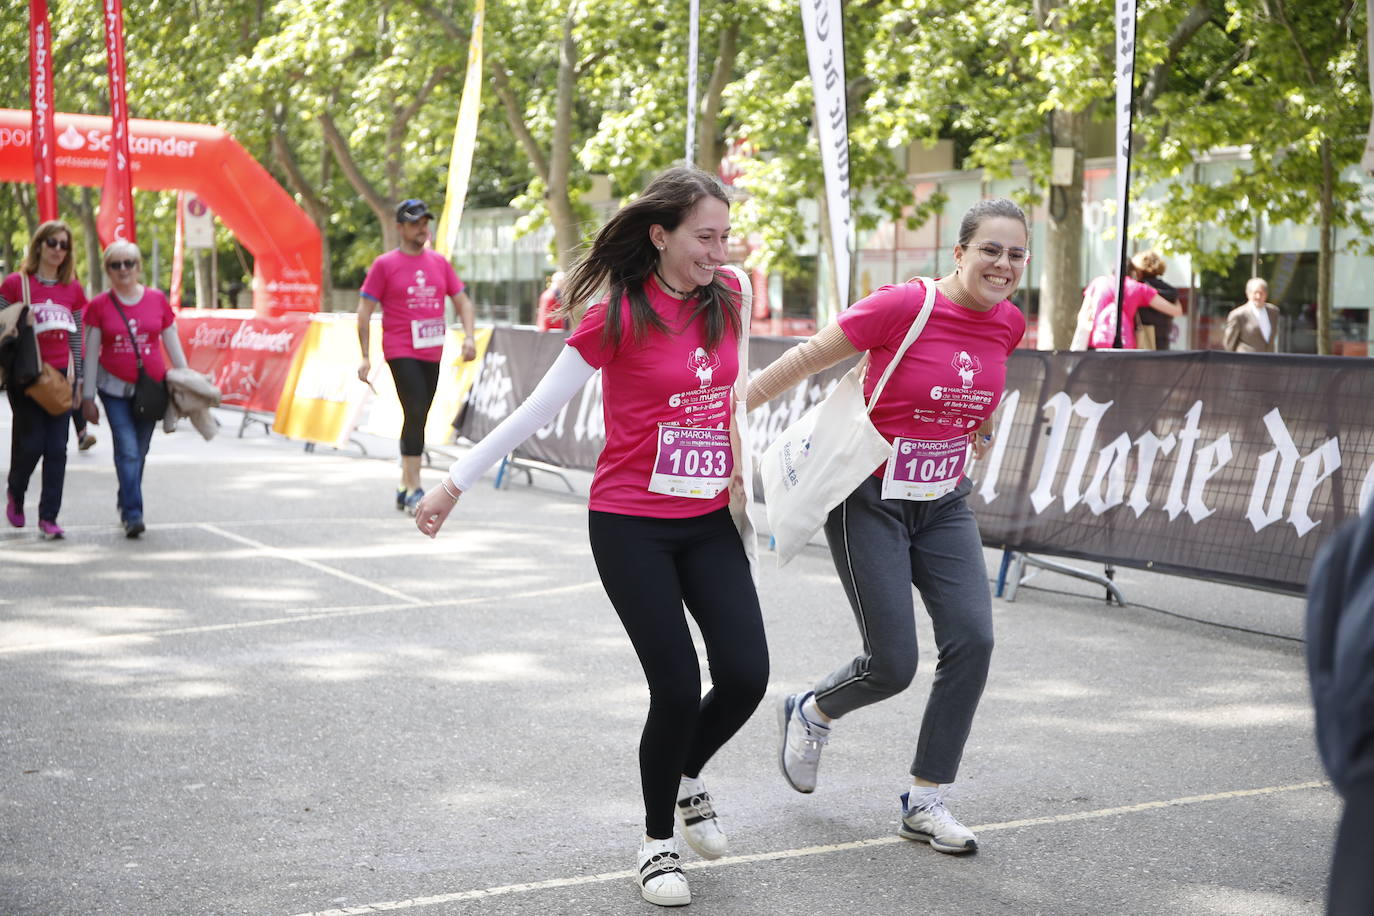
{"points": [[908, 522], [667, 341], [47, 283], [123, 326]]}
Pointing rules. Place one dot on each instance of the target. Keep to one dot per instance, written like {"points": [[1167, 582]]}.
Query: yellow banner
{"points": [[323, 400], [464, 140]]}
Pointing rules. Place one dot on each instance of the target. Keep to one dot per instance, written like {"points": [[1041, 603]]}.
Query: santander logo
{"points": [[71, 139]]}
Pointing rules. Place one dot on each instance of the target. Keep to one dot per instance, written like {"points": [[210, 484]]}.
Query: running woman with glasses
{"points": [[905, 527]]}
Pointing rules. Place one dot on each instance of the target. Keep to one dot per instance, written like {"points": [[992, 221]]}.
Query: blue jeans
{"points": [[131, 440]]}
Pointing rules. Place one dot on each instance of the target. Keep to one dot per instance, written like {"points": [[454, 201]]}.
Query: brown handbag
{"points": [[51, 390]]}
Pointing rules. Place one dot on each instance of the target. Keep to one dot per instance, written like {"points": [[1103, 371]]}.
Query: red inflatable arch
{"points": [[166, 155]]}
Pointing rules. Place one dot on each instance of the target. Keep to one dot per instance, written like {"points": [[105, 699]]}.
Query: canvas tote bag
{"points": [[820, 459], [742, 482]]}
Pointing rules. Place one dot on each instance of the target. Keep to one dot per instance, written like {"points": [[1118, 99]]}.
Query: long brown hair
{"points": [[66, 272], [621, 257]]}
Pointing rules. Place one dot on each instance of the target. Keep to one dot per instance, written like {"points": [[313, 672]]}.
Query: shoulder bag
{"points": [[742, 482], [824, 456], [150, 397], [51, 390]]}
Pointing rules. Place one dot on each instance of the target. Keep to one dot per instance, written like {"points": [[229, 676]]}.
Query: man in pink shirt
{"points": [[409, 284]]}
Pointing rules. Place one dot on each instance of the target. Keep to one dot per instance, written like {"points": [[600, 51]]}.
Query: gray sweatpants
{"points": [[881, 548]]}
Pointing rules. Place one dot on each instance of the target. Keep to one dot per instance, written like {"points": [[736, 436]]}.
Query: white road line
{"points": [[554, 883], [282, 554], [344, 611]]}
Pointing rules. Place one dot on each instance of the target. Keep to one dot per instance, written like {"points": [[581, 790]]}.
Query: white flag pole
{"points": [[693, 37]]}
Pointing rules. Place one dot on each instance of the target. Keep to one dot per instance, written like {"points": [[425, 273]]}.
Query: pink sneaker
{"points": [[13, 511], [51, 530]]}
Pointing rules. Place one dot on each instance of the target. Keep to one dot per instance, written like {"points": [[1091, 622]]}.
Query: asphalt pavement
{"points": [[283, 700]]}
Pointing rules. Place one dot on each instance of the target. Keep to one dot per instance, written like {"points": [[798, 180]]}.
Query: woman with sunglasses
{"points": [[889, 535], [126, 316], [56, 302]]}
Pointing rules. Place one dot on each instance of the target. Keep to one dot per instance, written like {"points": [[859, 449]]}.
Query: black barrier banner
{"points": [[1224, 465], [1227, 465], [515, 361]]}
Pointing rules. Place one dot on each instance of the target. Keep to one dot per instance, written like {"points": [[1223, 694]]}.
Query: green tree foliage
{"points": [[1288, 80]]}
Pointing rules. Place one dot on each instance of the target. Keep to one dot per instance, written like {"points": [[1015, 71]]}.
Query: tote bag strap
{"points": [[912, 333], [24, 282], [746, 309], [114, 300]]}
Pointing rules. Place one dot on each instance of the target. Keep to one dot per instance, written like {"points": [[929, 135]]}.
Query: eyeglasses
{"points": [[992, 253], [129, 264], [53, 241]]}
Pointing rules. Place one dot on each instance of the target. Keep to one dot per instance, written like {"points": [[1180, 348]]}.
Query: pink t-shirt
{"points": [[54, 309], [148, 318], [667, 380], [1138, 296], [411, 290], [951, 379]]}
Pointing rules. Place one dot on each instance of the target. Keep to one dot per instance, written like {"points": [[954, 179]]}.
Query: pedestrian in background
{"points": [[1148, 267], [548, 313], [666, 340], [124, 326], [1253, 326], [885, 538], [409, 284], [47, 281]]}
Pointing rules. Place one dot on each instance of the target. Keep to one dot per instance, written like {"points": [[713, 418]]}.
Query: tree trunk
{"points": [[386, 217], [1061, 277], [565, 230], [85, 210], [1326, 253], [710, 149]]}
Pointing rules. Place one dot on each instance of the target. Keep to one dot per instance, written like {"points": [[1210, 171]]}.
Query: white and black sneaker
{"points": [[801, 742], [696, 814], [929, 821], [661, 880]]}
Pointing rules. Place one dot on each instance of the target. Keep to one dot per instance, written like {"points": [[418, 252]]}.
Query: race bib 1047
{"points": [[923, 470]]}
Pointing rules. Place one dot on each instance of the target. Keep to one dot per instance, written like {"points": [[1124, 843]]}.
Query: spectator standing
{"points": [[1149, 267], [1253, 327], [548, 315]]}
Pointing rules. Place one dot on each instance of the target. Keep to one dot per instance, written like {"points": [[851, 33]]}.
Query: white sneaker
{"points": [[932, 823], [661, 879], [700, 826], [801, 741]]}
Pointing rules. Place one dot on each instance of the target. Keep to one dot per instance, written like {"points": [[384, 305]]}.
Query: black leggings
{"points": [[651, 567], [416, 381]]}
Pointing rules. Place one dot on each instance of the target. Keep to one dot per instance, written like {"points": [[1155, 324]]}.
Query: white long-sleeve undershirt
{"points": [[559, 385]]}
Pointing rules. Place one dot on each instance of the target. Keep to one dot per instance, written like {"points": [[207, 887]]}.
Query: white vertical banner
{"points": [[693, 41], [1125, 115], [822, 21]]}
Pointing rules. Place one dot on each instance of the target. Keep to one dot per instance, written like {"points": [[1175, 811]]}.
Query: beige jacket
{"points": [[192, 396], [1243, 333]]}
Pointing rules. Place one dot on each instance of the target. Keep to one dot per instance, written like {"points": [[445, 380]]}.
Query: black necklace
{"points": [[670, 287]]}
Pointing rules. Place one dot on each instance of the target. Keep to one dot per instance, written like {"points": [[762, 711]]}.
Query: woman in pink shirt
{"points": [[127, 325], [666, 341], [56, 302], [909, 522]]}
